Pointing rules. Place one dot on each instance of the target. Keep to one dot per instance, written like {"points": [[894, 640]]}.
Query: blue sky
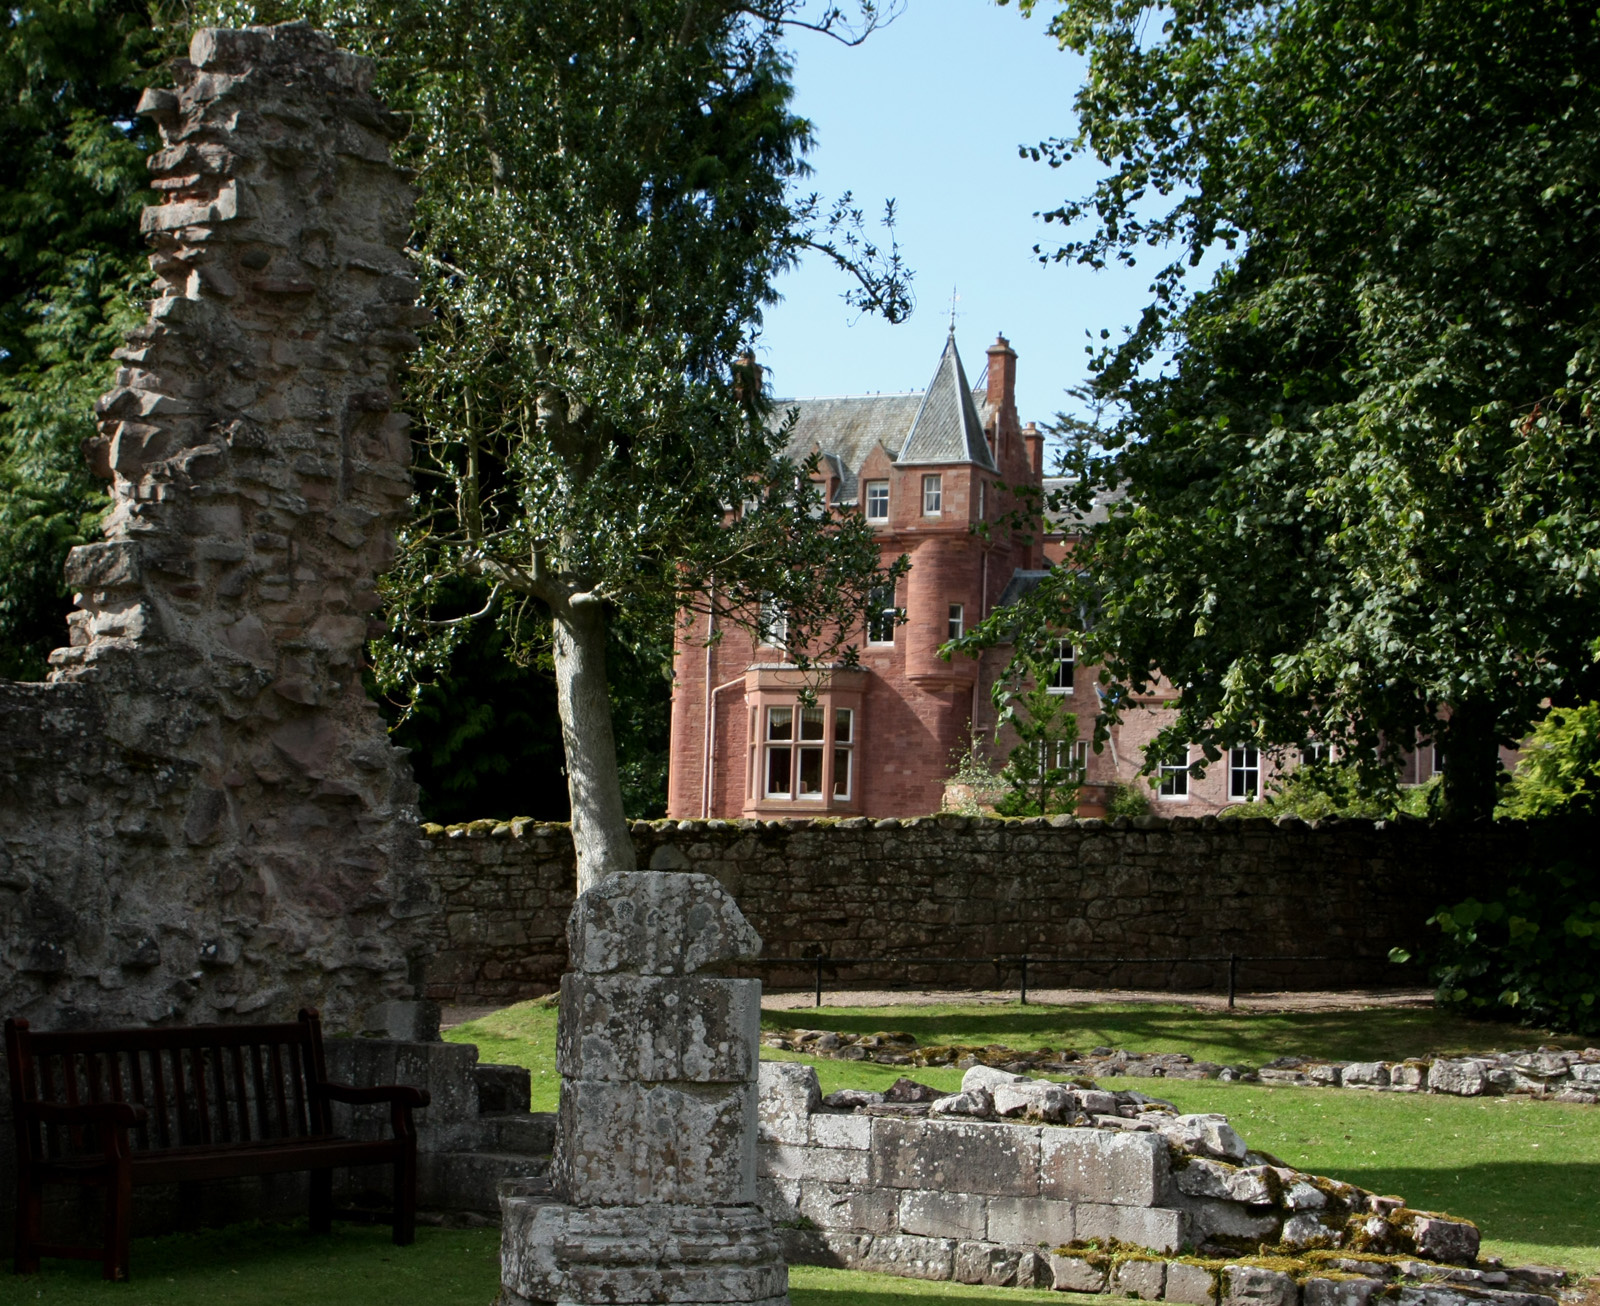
{"points": [[930, 111]]}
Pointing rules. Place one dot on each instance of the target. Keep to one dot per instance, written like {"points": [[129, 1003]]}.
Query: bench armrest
{"points": [[85, 1113], [395, 1094]]}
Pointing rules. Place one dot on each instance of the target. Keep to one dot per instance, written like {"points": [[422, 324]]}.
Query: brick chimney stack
{"points": [[746, 371], [1002, 375], [1033, 442]]}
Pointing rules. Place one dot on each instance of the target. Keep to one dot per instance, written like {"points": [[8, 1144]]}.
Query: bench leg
{"points": [[30, 1227], [119, 1223], [321, 1201], [405, 1194]]}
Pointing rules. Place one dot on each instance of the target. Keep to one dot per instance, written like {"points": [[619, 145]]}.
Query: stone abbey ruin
{"points": [[202, 819]]}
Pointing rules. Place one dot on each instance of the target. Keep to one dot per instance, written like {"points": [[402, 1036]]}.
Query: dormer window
{"points": [[877, 500], [932, 495]]}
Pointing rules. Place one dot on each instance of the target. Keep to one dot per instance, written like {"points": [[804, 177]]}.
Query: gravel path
{"points": [[1348, 1000]]}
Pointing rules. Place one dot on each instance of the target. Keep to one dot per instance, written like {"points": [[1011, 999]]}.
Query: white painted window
{"points": [[958, 621], [1314, 753], [982, 486], [877, 500], [1064, 664], [1244, 773], [844, 747], [774, 624], [883, 616], [932, 495], [1175, 778], [808, 772], [780, 752]]}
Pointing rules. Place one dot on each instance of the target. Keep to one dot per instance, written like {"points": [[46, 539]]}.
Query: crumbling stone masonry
{"points": [[1020, 1181], [655, 1164], [201, 816]]}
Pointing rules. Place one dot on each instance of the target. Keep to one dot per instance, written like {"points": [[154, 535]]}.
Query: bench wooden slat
{"points": [[214, 1117]]}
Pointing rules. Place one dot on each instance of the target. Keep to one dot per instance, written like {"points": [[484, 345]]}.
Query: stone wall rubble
{"points": [[1090, 1191], [981, 888], [1559, 1074], [655, 1168], [201, 816]]}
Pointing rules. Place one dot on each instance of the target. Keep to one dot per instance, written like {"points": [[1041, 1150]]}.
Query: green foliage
{"points": [[969, 766], [607, 191], [1533, 955], [1360, 498], [1037, 783], [71, 271], [1559, 773], [1128, 800], [1326, 789]]}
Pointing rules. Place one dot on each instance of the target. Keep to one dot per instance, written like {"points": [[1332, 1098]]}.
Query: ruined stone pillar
{"points": [[655, 1166], [202, 817]]}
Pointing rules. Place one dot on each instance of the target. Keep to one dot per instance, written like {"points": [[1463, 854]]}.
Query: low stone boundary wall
{"points": [[982, 888], [1123, 1196]]}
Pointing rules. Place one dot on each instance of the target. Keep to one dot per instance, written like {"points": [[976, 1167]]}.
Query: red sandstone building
{"points": [[925, 467]]}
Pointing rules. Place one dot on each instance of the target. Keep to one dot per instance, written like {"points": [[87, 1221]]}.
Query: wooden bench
{"points": [[120, 1108]]}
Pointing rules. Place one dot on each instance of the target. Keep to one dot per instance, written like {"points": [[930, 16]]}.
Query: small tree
{"points": [[1046, 733], [607, 192]]}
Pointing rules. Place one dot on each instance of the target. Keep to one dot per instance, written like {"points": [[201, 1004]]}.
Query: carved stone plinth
{"points": [[655, 1164]]}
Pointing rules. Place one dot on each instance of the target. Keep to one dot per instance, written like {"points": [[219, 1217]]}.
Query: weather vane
{"points": [[954, 297]]}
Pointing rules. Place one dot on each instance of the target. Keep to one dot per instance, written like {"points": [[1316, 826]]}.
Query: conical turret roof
{"points": [[946, 428]]}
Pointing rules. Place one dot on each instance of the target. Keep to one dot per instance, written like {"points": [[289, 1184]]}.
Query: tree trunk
{"points": [[599, 829], [1471, 762]]}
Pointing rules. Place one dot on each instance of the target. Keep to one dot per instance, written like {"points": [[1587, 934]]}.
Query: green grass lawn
{"points": [[280, 1265], [1527, 1172], [254, 1265]]}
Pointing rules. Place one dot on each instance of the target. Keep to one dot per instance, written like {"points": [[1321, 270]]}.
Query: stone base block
{"points": [[639, 1254]]}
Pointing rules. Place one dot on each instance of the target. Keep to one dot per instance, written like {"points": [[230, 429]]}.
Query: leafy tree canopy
{"points": [[1361, 486], [607, 189], [71, 265]]}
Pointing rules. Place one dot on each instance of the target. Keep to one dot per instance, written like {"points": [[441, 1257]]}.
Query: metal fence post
{"points": [[819, 983], [1024, 1001], [1233, 977]]}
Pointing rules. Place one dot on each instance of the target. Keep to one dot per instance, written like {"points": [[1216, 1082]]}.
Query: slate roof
{"points": [[942, 424], [1069, 522], [947, 428]]}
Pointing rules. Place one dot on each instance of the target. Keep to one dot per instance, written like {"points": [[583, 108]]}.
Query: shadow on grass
{"points": [[269, 1264], [1537, 1202], [1251, 1037]]}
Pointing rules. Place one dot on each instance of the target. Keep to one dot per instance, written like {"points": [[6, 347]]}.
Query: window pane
{"points": [[778, 771], [932, 495], [780, 723], [843, 720], [1244, 772], [810, 773], [1065, 662], [957, 620], [811, 720], [841, 772], [881, 616], [877, 500]]}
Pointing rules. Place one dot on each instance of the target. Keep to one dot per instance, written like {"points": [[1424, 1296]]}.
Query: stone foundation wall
{"points": [[1117, 1194], [980, 888]]}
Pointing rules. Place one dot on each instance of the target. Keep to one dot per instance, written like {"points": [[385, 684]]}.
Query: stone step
{"points": [[530, 1132], [470, 1181]]}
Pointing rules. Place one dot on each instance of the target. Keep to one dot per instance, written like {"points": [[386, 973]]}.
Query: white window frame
{"points": [[1244, 773], [771, 746], [871, 499], [1066, 656], [773, 625], [957, 623], [982, 497], [888, 613], [845, 750], [933, 495], [1174, 786], [810, 747]]}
